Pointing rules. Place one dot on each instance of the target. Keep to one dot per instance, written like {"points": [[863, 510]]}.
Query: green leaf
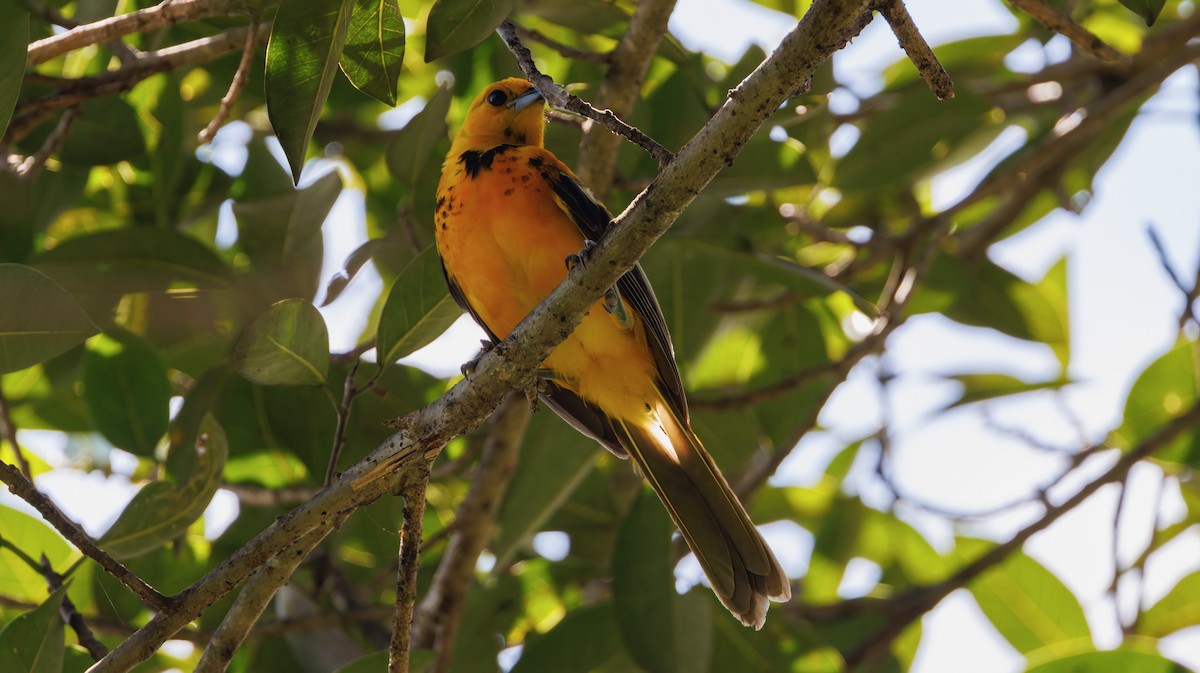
{"points": [[106, 131], [127, 391], [1028, 605], [350, 268], [661, 633], [418, 308], [1179, 609], [135, 259], [1166, 389], [275, 229], [374, 48], [13, 42], [286, 346], [1136, 654], [584, 641], [1147, 9], [410, 153], [163, 510], [982, 387], [765, 164], [33, 642], [302, 61], [38, 319], [458, 25], [34, 537]]}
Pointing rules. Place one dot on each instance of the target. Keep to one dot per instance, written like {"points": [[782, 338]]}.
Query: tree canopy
{"points": [[165, 314]]}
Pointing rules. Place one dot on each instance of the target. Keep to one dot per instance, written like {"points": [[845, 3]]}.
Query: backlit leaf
{"points": [[457, 25], [38, 319], [33, 642], [1147, 9], [374, 49], [1165, 389], [1028, 605], [287, 345]]}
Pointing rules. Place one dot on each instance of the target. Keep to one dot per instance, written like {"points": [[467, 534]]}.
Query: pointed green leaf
{"points": [[127, 391], [418, 308], [288, 345], [1167, 388], [274, 229], [374, 48], [34, 537], [38, 319], [458, 25], [33, 642], [13, 42], [983, 387], [1134, 656], [1179, 609], [1147, 9], [302, 60], [410, 152], [163, 510], [1028, 605]]}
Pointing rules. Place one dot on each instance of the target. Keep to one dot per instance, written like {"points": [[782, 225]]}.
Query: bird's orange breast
{"points": [[504, 241]]}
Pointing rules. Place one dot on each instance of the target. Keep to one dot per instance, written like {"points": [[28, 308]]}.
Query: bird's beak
{"points": [[526, 99]]}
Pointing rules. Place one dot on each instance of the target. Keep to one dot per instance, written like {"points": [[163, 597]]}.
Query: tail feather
{"points": [[741, 567]]}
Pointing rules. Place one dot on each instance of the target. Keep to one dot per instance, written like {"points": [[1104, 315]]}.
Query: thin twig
{"points": [[25, 490], [339, 433], [412, 489], [1190, 294], [916, 48], [1061, 23], [71, 615], [235, 87], [566, 50], [33, 164], [558, 97], [150, 18], [8, 432]]}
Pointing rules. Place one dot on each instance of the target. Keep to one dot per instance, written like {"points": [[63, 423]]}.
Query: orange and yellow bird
{"points": [[509, 216]]}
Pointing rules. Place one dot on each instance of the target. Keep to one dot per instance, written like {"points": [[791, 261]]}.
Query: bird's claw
{"points": [[582, 257], [468, 367]]}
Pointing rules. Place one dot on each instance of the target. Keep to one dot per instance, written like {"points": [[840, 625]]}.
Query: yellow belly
{"points": [[504, 242]]}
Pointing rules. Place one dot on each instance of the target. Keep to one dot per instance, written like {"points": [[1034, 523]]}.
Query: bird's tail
{"points": [[739, 564]]}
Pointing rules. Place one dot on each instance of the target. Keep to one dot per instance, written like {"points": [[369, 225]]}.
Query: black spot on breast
{"points": [[520, 138], [535, 161], [509, 191], [474, 161]]}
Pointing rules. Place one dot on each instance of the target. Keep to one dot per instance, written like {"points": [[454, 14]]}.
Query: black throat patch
{"points": [[474, 161]]}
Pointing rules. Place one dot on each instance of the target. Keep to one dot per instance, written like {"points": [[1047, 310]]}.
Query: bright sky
{"points": [[1123, 316]]}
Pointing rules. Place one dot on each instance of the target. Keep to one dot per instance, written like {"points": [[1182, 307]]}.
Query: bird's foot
{"points": [[582, 257], [615, 305], [469, 366]]}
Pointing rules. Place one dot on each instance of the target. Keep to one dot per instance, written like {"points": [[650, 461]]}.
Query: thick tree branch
{"points": [[827, 27], [412, 489], [619, 91], [24, 489], [151, 18], [1063, 24]]}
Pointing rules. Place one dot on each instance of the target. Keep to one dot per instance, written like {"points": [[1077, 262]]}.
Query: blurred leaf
{"points": [[350, 268], [33, 642], [554, 459], [374, 48], [33, 536], [653, 623], [489, 613], [38, 319], [106, 131], [13, 44], [1147, 9], [984, 54], [586, 16], [983, 387], [1179, 609], [136, 259], [418, 308], [163, 510], [582, 642], [286, 346], [275, 229], [1166, 389], [458, 25], [127, 392], [1028, 605], [410, 154], [1135, 654], [302, 62], [30, 207], [765, 164]]}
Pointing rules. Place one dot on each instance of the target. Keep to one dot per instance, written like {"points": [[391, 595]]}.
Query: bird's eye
{"points": [[497, 98]]}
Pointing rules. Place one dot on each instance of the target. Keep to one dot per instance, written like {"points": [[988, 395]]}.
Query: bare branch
{"points": [[916, 47], [25, 490], [235, 87], [412, 489], [151, 18], [29, 169], [1061, 23], [71, 615], [558, 97]]}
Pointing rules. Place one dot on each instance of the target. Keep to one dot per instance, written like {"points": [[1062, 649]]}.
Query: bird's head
{"points": [[507, 112]]}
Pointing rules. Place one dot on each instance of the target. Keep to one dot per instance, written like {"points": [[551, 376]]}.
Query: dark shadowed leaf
{"points": [[106, 131], [1028, 605], [410, 152], [38, 319], [582, 642], [418, 308], [33, 642], [1165, 389], [302, 61], [275, 229], [163, 510], [374, 48], [1147, 9], [350, 268], [127, 392], [286, 346], [1179, 609], [457, 25], [13, 43]]}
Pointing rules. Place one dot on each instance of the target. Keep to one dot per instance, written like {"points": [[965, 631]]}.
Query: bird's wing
{"points": [[593, 219]]}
